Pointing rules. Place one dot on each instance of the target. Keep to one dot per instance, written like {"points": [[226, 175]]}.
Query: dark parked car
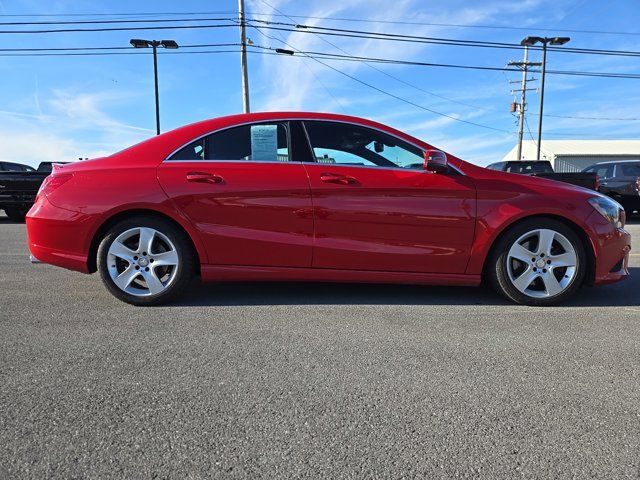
{"points": [[19, 185], [543, 168], [621, 181]]}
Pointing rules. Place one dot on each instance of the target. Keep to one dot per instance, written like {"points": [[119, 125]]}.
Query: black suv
{"points": [[621, 181]]}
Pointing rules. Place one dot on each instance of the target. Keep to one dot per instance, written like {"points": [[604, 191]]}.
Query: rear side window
{"points": [[629, 169], [603, 171], [265, 142]]}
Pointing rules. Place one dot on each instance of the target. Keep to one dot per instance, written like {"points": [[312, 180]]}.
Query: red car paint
{"points": [[311, 221]]}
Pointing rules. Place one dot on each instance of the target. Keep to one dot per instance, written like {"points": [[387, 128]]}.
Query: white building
{"points": [[574, 155]]}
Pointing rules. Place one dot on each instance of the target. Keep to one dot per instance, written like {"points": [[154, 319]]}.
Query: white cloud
{"points": [[52, 132]]}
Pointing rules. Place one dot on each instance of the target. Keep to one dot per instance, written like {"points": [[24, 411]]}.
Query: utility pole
{"points": [[522, 106], [243, 57]]}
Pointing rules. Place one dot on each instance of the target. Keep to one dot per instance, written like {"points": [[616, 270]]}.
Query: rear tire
{"points": [[16, 214], [146, 261], [538, 262]]}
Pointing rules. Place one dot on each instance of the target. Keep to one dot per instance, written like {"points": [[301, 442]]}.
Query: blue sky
{"points": [[61, 108]]}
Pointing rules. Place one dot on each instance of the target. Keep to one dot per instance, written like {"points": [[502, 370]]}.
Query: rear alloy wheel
{"points": [[145, 261], [539, 262]]}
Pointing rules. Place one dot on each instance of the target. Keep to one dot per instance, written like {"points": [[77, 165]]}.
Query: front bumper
{"points": [[612, 255]]}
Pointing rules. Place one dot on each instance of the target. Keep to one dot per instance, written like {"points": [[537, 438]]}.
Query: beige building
{"points": [[574, 155]]}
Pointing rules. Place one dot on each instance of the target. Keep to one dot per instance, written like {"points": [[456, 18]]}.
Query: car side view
{"points": [[299, 196], [620, 181]]}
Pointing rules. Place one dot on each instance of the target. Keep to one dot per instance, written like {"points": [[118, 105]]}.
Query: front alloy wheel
{"points": [[145, 261], [539, 262]]}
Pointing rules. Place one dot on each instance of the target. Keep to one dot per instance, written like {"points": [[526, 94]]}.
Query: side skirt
{"points": [[231, 273]]}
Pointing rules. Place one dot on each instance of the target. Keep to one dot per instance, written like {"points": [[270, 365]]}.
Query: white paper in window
{"points": [[264, 143]]}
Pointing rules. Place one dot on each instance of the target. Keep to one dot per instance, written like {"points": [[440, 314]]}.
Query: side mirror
{"points": [[435, 161]]}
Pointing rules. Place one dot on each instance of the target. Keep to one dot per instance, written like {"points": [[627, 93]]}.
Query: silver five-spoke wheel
{"points": [[542, 263], [142, 261]]}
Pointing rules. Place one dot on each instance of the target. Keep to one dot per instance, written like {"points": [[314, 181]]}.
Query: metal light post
{"points": [[530, 41], [170, 44]]}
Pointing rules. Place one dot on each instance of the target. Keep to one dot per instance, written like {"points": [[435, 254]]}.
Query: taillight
{"points": [[597, 183], [52, 182], [638, 183]]}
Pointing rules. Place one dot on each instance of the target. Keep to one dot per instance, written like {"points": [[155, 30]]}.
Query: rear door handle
{"points": [[339, 179], [200, 177]]}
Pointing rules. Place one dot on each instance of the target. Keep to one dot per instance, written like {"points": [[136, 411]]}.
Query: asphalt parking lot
{"points": [[313, 380]]}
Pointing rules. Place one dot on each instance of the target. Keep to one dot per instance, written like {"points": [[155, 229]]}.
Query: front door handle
{"points": [[200, 177], [339, 179]]}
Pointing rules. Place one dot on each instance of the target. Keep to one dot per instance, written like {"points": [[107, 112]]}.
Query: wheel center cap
{"points": [[143, 262], [540, 263]]}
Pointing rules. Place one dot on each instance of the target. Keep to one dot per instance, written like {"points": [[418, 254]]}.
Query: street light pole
{"points": [[155, 80], [544, 68], [154, 44], [529, 41]]}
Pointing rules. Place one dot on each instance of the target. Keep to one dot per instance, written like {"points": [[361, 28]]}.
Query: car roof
{"points": [[608, 162]]}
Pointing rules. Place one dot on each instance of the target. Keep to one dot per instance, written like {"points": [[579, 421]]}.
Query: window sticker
{"points": [[264, 143]]}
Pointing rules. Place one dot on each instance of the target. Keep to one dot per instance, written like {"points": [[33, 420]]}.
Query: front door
{"points": [[376, 208], [246, 195]]}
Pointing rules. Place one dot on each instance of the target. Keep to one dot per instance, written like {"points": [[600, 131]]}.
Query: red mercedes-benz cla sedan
{"points": [[319, 197]]}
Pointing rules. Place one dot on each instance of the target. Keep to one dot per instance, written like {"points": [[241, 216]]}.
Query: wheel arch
{"points": [[124, 214], [582, 235]]}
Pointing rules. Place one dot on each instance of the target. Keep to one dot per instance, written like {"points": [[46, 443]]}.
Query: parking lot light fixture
{"points": [[168, 44], [529, 42]]}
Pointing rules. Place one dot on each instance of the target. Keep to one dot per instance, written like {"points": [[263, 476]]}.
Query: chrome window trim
{"points": [[293, 119]]}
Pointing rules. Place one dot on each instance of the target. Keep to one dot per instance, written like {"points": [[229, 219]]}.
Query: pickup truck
{"points": [[19, 185], [543, 168]]}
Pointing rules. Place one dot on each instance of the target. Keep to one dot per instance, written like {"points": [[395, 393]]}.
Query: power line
{"points": [[384, 92], [71, 49], [349, 33], [115, 29], [336, 56], [616, 119], [292, 27], [101, 22], [387, 74], [456, 25], [329, 18], [99, 54]]}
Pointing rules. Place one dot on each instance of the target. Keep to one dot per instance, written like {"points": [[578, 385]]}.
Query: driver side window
{"points": [[349, 144]]}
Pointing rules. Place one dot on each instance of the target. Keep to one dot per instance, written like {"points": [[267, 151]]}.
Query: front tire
{"points": [[538, 262], [145, 261]]}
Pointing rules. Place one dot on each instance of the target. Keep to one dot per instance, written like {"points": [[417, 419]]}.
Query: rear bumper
{"points": [[56, 236]]}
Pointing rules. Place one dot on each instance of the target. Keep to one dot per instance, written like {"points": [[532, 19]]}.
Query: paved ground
{"points": [[313, 380]]}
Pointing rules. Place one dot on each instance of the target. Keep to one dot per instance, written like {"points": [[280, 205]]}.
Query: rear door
{"points": [[604, 172], [376, 208], [246, 194]]}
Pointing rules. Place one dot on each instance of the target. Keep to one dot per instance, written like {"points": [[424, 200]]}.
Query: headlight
{"points": [[609, 209]]}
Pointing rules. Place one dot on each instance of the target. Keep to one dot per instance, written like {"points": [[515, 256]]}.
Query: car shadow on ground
{"points": [[301, 293]]}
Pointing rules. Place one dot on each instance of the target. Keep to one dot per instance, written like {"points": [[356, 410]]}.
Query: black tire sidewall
{"points": [[16, 214], [498, 266], [186, 259]]}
